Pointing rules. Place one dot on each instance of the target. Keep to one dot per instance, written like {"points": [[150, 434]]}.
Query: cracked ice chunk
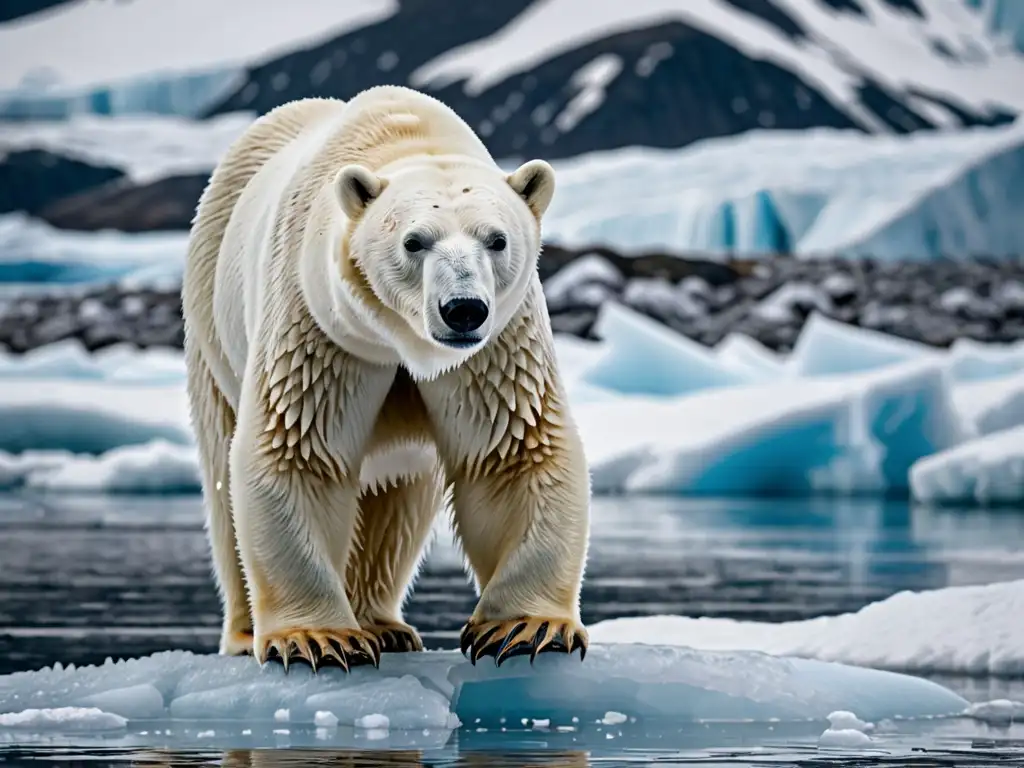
{"points": [[438, 691], [827, 347], [644, 357], [986, 470], [63, 719]]}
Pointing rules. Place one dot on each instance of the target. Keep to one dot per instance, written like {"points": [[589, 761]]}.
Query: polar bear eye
{"points": [[413, 244], [496, 243]]}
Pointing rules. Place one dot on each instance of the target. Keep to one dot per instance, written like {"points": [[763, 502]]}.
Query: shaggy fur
{"points": [[333, 406]]}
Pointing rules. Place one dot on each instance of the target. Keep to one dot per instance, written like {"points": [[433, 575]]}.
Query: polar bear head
{"points": [[446, 246]]}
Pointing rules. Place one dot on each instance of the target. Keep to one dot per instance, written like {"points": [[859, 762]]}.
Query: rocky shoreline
{"points": [[934, 302]]}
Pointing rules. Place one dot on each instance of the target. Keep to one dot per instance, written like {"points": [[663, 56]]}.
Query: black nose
{"points": [[464, 315]]}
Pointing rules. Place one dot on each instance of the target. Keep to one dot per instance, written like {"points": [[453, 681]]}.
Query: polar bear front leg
{"points": [[302, 425], [521, 500], [395, 525]]}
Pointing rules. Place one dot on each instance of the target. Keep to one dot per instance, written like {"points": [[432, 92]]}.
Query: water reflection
{"points": [[88, 577]]}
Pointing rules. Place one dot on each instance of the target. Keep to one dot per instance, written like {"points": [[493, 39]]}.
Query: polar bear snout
{"points": [[462, 318], [458, 293], [464, 315]]}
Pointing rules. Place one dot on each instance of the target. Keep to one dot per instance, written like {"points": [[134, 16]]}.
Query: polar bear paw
{"points": [[529, 635], [394, 636], [236, 643], [345, 648]]}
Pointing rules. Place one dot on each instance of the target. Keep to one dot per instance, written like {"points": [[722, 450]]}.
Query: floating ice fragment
{"points": [[62, 719], [846, 738], [843, 720], [437, 691], [375, 720], [641, 356], [325, 719], [997, 711]]}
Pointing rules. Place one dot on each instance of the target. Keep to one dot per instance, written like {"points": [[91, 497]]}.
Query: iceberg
{"points": [[643, 356], [442, 691], [849, 411], [839, 434], [32, 253], [987, 470], [90, 417], [974, 361], [70, 359], [738, 351], [970, 630], [991, 405], [828, 347], [157, 466], [1004, 17]]}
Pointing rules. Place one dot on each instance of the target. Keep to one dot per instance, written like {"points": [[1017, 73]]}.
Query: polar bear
{"points": [[367, 344]]}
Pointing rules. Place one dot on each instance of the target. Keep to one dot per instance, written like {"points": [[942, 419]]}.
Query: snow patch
{"points": [[973, 630], [89, 43], [840, 53], [76, 719], [144, 148]]}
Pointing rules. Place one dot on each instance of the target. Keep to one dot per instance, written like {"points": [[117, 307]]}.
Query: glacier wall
{"points": [[818, 192], [182, 94], [1005, 17], [806, 192]]}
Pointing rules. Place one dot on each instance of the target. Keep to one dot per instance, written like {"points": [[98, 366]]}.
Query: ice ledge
{"points": [[440, 689]]}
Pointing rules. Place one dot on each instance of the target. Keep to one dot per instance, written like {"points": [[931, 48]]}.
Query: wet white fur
{"points": [[300, 313]]}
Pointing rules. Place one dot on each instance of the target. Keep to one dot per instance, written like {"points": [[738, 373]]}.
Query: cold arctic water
{"points": [[87, 578]]}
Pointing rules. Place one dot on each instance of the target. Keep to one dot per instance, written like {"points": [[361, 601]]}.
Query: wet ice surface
{"points": [[85, 579]]}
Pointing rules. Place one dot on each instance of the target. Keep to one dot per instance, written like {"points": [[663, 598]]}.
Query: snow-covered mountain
{"points": [[551, 77], [685, 125]]}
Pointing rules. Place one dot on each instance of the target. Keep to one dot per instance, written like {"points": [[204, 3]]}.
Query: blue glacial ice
{"points": [[34, 254], [441, 691], [646, 357], [812, 192], [186, 94], [987, 470], [1004, 17], [817, 192], [848, 411]]}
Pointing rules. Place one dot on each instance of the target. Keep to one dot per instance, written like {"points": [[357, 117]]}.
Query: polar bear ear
{"points": [[356, 187], [534, 181]]}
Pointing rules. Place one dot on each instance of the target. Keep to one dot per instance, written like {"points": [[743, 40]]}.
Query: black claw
{"points": [[509, 635], [465, 640], [393, 641], [522, 648], [577, 642], [483, 643]]}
